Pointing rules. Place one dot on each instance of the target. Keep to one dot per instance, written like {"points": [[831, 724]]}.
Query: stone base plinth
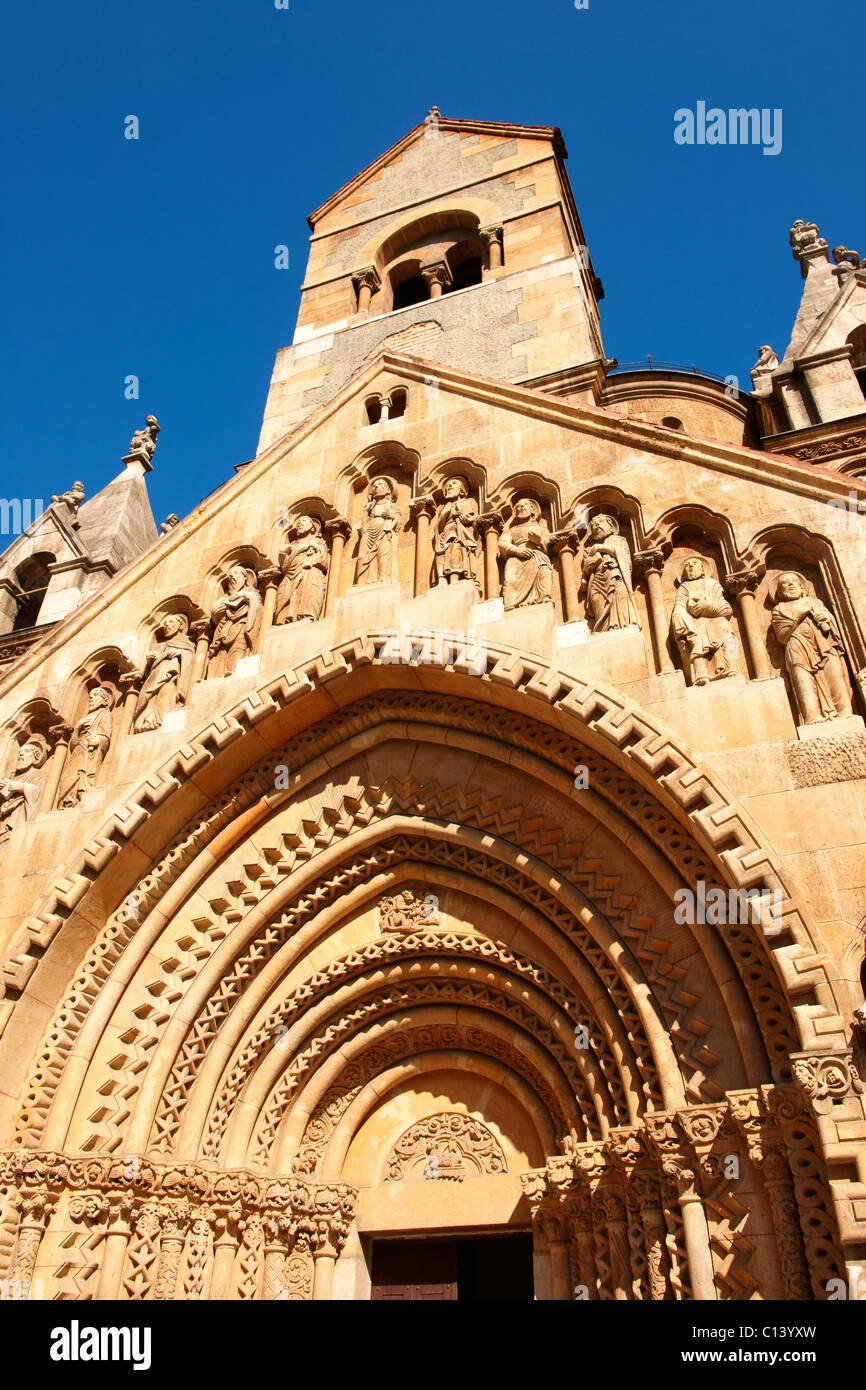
{"points": [[835, 727]]}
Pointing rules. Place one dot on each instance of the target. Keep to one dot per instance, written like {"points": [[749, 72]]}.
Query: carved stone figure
{"points": [[236, 617], [166, 675], [804, 237], [814, 656], [304, 563], [407, 909], [528, 577], [169, 524], [455, 536], [73, 498], [377, 543], [607, 576], [143, 442], [20, 793], [87, 749], [767, 362], [701, 626]]}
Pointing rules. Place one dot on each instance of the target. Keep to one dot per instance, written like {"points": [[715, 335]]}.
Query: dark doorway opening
{"points": [[472, 1269]]}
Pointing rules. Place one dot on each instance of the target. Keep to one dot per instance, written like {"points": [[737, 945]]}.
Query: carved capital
{"points": [[437, 274], [366, 278], [565, 542], [491, 521], [338, 526], [826, 1079], [648, 562], [422, 506], [490, 234], [743, 582]]}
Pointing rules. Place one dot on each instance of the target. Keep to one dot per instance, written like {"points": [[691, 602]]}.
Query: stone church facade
{"points": [[434, 867]]}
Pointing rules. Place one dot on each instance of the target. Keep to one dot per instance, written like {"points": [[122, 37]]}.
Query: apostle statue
{"points": [[20, 793], [814, 656], [304, 564], [528, 577], [455, 536], [377, 543], [607, 576], [166, 675], [88, 746], [701, 625], [236, 617]]}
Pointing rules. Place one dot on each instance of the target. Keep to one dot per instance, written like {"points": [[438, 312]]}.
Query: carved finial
{"points": [[806, 244], [169, 524], [433, 114], [143, 443], [847, 263]]}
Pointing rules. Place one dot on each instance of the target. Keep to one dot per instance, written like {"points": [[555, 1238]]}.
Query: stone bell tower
{"points": [[461, 245]]}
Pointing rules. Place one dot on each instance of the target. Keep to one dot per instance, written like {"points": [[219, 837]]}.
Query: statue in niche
{"points": [[88, 746], [166, 675], [304, 563], [377, 543], [814, 655], [455, 537], [701, 625], [528, 577], [20, 793], [236, 618], [607, 576]]}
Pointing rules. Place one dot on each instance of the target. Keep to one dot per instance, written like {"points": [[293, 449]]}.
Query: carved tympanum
{"points": [[90, 742], [814, 656], [455, 537], [304, 565], [166, 675], [446, 1147], [528, 577], [236, 618], [20, 792], [377, 542], [608, 578], [701, 626]]}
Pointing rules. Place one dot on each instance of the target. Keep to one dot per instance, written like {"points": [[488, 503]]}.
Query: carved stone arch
{"points": [[606, 498], [36, 716], [217, 793], [533, 484], [246, 555], [687, 515], [102, 667], [409, 233], [149, 625], [457, 467]]}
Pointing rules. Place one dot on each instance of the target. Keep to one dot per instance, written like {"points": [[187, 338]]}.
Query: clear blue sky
{"points": [[156, 258]]}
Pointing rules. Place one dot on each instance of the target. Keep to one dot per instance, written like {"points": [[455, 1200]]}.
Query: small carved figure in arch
{"points": [[166, 675], [91, 739], [814, 654], [20, 792], [377, 542], [304, 565], [528, 577], [701, 625], [236, 617], [607, 574], [455, 537]]}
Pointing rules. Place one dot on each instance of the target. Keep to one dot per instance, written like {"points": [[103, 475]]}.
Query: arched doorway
{"points": [[389, 954]]}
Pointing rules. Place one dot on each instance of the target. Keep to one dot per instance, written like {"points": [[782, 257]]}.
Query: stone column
{"points": [[579, 1210], [742, 587], [278, 1236], [225, 1244], [421, 509], [61, 733], [333, 1211], [610, 1205], [366, 284], [650, 563], [201, 632], [337, 532], [645, 1187], [492, 238], [553, 1226], [175, 1220], [37, 1207], [270, 577], [120, 1211], [490, 524], [130, 684], [668, 1146], [766, 1149], [437, 277], [565, 545]]}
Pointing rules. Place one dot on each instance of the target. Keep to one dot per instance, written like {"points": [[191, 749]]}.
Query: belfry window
{"points": [[412, 291]]}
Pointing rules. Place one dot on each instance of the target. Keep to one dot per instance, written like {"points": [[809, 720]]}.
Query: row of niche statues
{"points": [[700, 624]]}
